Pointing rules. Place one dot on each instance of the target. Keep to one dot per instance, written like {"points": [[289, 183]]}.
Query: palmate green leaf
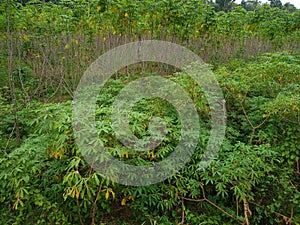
{"points": [[221, 189], [74, 163], [96, 179]]}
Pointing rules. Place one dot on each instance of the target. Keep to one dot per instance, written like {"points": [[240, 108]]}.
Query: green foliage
{"points": [[47, 181], [183, 19]]}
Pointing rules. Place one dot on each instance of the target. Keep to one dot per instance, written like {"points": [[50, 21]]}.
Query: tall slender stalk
{"points": [[10, 73]]}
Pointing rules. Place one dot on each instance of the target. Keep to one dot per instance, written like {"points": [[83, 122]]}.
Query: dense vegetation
{"points": [[254, 52]]}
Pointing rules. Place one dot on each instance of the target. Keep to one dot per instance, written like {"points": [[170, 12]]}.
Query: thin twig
{"points": [[194, 200], [95, 203], [254, 128], [216, 206], [222, 210], [9, 138]]}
